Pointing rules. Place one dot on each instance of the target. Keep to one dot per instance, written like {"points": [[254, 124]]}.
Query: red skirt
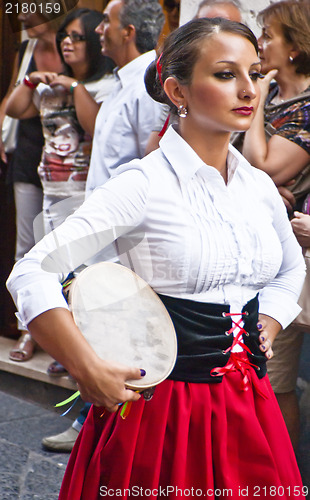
{"points": [[191, 440]]}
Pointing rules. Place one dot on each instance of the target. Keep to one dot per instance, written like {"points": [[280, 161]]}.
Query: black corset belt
{"points": [[204, 341]]}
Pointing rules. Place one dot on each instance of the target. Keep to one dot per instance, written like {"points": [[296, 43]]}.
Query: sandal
{"points": [[55, 369], [24, 349]]}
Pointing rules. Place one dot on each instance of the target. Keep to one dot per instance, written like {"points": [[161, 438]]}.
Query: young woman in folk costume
{"points": [[226, 265]]}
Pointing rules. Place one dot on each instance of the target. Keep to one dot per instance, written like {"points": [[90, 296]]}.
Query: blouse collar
{"points": [[186, 162]]}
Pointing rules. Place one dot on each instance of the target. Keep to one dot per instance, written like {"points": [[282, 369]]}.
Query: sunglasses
{"points": [[74, 37], [170, 5]]}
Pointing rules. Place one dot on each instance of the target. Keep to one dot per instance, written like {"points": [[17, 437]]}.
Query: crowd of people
{"points": [[202, 145]]}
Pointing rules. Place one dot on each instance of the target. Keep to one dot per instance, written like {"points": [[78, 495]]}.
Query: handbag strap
{"points": [[26, 60]]}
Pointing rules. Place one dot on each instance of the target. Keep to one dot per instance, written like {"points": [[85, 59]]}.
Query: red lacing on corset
{"points": [[238, 361]]}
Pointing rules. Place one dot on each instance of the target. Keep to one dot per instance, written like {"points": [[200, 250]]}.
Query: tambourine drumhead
{"points": [[124, 320]]}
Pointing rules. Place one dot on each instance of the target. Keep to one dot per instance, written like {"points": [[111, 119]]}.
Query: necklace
{"points": [[277, 100]]}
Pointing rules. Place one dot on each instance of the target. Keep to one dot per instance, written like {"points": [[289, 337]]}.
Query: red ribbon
{"points": [[163, 130], [159, 68], [238, 338]]}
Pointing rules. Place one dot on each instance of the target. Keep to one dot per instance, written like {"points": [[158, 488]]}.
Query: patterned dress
{"points": [[291, 120]]}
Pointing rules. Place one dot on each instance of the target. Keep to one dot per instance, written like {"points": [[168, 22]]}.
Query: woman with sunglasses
{"points": [[67, 104]]}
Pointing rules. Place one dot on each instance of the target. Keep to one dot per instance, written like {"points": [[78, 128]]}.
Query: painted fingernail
{"points": [[263, 347], [143, 373], [263, 339], [259, 326]]}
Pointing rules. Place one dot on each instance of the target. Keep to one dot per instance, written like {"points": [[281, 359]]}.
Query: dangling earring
{"points": [[182, 111], [291, 59]]}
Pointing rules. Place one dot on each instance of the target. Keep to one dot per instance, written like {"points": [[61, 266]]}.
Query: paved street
{"points": [[27, 472]]}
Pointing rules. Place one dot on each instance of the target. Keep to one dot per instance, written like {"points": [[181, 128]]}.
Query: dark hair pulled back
{"points": [[182, 49]]}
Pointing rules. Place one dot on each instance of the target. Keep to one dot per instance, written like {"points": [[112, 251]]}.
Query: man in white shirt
{"points": [[129, 34]]}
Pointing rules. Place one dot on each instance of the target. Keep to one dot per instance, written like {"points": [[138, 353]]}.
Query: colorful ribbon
{"points": [[125, 410], [73, 398]]}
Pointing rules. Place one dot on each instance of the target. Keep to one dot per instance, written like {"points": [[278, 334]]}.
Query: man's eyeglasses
{"points": [[74, 37], [170, 5]]}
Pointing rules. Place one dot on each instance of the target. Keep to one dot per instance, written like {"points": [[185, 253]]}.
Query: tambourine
{"points": [[124, 320]]}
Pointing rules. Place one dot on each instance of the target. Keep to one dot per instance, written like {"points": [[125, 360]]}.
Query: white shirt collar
{"points": [[185, 161], [129, 72]]}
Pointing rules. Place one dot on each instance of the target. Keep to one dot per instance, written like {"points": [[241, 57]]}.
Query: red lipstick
{"points": [[244, 110]]}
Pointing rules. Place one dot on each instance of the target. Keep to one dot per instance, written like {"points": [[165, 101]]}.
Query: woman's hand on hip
{"points": [[268, 329]]}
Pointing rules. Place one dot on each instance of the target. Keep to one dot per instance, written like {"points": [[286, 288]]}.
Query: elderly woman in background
{"points": [[283, 115], [278, 142]]}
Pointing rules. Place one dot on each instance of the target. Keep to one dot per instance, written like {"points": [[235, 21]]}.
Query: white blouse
{"points": [[185, 231]]}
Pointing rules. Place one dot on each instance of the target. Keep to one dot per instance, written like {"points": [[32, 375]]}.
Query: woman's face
{"points": [[224, 93], [274, 50], [74, 51]]}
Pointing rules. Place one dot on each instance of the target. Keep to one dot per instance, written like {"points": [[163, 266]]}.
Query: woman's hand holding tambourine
{"points": [[126, 324], [117, 340], [105, 384]]}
